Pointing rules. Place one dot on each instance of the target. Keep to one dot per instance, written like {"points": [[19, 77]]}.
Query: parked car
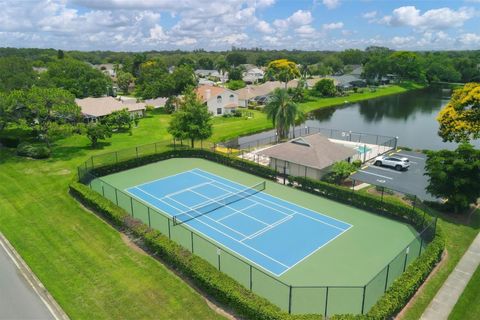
{"points": [[399, 163]]}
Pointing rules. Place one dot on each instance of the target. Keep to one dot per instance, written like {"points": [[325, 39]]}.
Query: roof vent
{"points": [[301, 142]]}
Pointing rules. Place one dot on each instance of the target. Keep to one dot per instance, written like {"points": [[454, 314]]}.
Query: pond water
{"points": [[409, 116]]}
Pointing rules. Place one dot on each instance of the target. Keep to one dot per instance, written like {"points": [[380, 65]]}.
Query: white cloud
{"points": [[186, 41], [469, 39], [434, 19], [401, 41], [370, 14], [264, 27], [333, 26], [307, 29], [157, 34], [331, 4], [298, 18]]}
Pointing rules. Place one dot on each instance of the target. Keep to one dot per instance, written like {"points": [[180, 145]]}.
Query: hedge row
{"points": [[234, 162], [385, 207], [205, 276], [234, 295]]}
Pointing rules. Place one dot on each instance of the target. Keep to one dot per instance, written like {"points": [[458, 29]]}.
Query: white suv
{"points": [[399, 163]]}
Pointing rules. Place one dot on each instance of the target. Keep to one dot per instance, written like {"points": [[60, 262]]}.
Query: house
{"points": [[202, 73], [348, 81], [309, 156], [157, 102], [107, 68], [219, 100], [250, 92], [253, 75], [95, 108]]}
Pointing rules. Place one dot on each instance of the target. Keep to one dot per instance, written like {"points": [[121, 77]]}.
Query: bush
{"points": [[36, 151], [149, 108], [357, 163], [9, 142], [340, 171]]}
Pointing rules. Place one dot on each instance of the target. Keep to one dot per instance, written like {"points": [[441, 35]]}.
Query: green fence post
{"points": [[363, 299], [103, 190], [136, 151], [326, 302], [169, 232], [386, 278], [116, 157], [149, 222], [116, 197], [191, 236], [421, 244], [406, 256], [251, 283], [290, 299], [218, 255], [131, 204]]}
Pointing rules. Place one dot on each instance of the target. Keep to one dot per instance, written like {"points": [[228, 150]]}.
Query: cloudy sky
{"points": [[139, 25]]}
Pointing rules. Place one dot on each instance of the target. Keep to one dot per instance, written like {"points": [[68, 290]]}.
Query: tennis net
{"points": [[215, 204]]}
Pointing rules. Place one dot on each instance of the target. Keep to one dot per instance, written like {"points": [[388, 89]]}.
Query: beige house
{"points": [[94, 108], [310, 156], [219, 100]]}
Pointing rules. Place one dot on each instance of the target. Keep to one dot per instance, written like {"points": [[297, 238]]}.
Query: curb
{"points": [[52, 306]]}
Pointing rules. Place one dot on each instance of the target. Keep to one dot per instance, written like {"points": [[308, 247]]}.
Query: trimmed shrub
{"points": [[9, 142], [35, 151]]}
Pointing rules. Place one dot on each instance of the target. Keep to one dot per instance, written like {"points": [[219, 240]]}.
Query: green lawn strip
{"points": [[82, 261], [468, 306], [318, 103], [458, 238]]}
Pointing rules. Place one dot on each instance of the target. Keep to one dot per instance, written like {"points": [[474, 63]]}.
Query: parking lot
{"points": [[411, 181]]}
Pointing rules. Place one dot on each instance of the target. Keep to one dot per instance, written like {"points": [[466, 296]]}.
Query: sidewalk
{"points": [[446, 298]]}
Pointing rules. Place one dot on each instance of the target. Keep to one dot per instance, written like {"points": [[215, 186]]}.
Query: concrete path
{"points": [[446, 298], [22, 296]]}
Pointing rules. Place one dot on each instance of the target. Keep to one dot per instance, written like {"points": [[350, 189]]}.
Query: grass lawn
{"points": [[468, 306], [458, 236]]}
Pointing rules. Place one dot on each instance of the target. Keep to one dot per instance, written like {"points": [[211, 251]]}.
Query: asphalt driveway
{"points": [[411, 181]]}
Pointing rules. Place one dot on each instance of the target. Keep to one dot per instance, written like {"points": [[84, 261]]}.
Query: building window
{"points": [[219, 99], [219, 110], [231, 98]]}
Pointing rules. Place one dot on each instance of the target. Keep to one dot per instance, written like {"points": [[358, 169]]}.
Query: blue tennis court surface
{"points": [[270, 232]]}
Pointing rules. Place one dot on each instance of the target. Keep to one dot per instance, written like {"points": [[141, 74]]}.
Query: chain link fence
{"points": [[319, 299]]}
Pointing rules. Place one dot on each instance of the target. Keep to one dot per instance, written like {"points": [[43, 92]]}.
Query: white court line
{"points": [[269, 227], [409, 156], [207, 217], [237, 211], [231, 214], [164, 178], [378, 175], [186, 189], [279, 205]]}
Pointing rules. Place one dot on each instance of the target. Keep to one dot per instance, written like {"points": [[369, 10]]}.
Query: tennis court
{"points": [[272, 233]]}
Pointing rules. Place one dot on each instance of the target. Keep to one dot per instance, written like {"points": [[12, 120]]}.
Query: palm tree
{"points": [[282, 111]]}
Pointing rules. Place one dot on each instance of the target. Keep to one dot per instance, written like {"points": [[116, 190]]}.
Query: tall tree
{"points": [[407, 65], [15, 73], [455, 175], [460, 118], [282, 111], [236, 58], [97, 131], [50, 111], [325, 88], [192, 120], [282, 70], [124, 79]]}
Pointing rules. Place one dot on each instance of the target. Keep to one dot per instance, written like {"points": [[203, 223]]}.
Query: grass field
{"points": [[468, 306]]}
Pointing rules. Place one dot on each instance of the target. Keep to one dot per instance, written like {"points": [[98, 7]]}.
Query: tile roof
{"points": [[103, 106], [206, 92], [314, 151]]}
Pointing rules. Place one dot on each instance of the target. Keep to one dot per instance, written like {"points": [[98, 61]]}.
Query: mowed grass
{"points": [[458, 237], [468, 306]]}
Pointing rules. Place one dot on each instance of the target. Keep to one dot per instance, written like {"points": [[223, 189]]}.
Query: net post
{"points": [[218, 255], [290, 299], [363, 299], [406, 256], [326, 302], [169, 231], [386, 278]]}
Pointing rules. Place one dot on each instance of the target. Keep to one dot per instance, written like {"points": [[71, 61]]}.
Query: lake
{"points": [[410, 116]]}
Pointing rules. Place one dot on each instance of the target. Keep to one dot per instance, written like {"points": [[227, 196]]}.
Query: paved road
{"points": [[412, 181], [20, 294]]}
